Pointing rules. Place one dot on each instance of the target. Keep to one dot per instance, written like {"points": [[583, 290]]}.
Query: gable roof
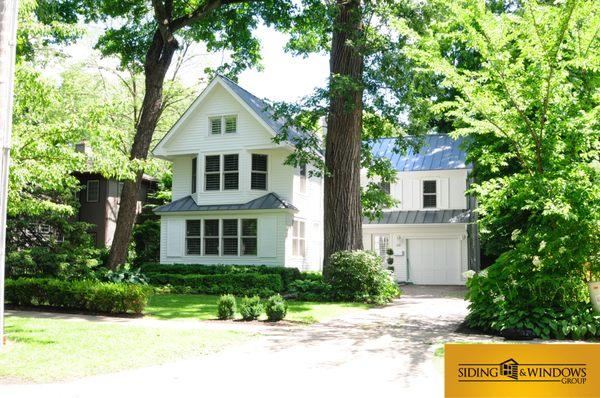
{"points": [[438, 152], [270, 201], [260, 109]]}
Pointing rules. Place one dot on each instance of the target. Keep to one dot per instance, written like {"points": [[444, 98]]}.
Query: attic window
{"points": [[230, 124], [215, 125], [430, 194], [220, 124]]}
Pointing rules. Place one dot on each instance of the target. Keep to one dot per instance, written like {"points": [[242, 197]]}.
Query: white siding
{"points": [[267, 231], [182, 176]]}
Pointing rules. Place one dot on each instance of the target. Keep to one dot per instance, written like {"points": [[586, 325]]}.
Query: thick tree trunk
{"points": [[158, 60], [343, 210]]}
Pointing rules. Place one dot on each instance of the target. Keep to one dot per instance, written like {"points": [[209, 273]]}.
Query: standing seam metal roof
{"points": [[422, 217], [270, 201], [438, 152]]}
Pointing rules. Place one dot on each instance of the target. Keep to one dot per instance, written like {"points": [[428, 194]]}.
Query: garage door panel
{"points": [[434, 261]]}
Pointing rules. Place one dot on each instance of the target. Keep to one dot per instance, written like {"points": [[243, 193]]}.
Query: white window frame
{"points": [[436, 194], [298, 237], [193, 237], [220, 237], [248, 236], [222, 172], [266, 173], [223, 123], [87, 191], [302, 179]]}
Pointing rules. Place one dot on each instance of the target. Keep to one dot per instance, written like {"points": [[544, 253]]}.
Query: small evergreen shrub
{"points": [[276, 308], [116, 298], [251, 308], [359, 276], [226, 306], [312, 289]]}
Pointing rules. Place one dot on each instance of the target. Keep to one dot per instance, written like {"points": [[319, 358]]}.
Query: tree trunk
{"points": [[343, 210], [158, 60]]}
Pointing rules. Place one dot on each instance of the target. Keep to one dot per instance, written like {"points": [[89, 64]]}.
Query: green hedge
{"points": [[115, 298], [241, 284], [288, 275]]}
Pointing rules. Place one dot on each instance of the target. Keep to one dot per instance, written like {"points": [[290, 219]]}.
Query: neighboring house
{"points": [[236, 202], [429, 232], [234, 199], [99, 201]]}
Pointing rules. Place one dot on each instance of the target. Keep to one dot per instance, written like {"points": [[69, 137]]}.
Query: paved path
{"points": [[386, 350]]}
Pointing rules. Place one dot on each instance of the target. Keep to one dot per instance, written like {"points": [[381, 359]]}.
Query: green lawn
{"points": [[52, 349], [194, 306]]}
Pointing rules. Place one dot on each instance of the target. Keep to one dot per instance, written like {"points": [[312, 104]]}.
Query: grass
{"points": [[43, 350], [204, 307]]}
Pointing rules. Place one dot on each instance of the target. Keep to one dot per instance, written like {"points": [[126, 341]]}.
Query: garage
{"points": [[434, 261]]}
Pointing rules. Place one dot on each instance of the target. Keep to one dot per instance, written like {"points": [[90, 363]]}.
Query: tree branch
{"points": [[202, 11]]}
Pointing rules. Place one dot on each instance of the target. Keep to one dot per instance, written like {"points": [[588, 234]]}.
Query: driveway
{"points": [[383, 350]]}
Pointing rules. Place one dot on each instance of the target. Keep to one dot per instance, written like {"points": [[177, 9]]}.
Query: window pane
{"points": [[213, 163], [211, 246], [230, 162], [429, 201], [194, 169], [231, 180], [230, 227], [296, 229], [230, 246], [213, 182], [385, 187], [93, 190], [303, 170], [230, 124], [215, 125], [259, 162], [192, 228], [211, 228], [193, 246], [258, 181], [302, 248], [249, 246], [301, 229], [249, 227], [429, 186], [295, 247]]}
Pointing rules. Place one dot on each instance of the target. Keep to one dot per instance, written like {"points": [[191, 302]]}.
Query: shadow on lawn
{"points": [[27, 335]]}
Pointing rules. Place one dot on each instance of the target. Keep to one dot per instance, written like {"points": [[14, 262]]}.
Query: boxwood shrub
{"points": [[226, 307], [287, 274], [251, 308], [276, 308], [242, 284], [115, 298]]}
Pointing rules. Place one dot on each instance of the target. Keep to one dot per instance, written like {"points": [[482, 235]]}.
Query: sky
{"points": [[283, 77]]}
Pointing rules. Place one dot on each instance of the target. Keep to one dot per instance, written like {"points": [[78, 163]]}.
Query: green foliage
{"points": [[251, 308], [238, 284], [126, 274], [509, 294], [311, 289], [287, 274], [276, 308], [91, 296], [359, 276], [226, 306]]}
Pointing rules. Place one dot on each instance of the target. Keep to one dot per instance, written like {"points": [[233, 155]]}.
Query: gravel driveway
{"points": [[383, 350]]}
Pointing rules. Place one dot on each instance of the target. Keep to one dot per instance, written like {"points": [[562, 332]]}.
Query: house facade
{"points": [[234, 199], [430, 235], [236, 202]]}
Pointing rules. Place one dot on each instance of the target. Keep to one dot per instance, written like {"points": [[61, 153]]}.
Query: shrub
{"points": [[512, 295], [251, 308], [237, 284], [226, 306], [287, 274], [125, 274], [77, 295], [312, 289], [359, 276], [276, 308]]}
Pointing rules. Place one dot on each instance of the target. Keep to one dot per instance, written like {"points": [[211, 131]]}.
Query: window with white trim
{"points": [[212, 173], [258, 178], [231, 175], [302, 173], [211, 237], [222, 124], [429, 194], [299, 239], [194, 174], [216, 176], [249, 240], [230, 239], [92, 191], [193, 238]]}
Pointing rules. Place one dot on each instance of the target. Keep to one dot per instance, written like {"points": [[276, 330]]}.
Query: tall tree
{"points": [[343, 212], [148, 38]]}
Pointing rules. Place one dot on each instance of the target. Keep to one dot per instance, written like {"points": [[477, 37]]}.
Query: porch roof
{"points": [[422, 217]]}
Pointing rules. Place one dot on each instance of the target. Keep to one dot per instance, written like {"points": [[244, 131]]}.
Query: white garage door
{"points": [[434, 261]]}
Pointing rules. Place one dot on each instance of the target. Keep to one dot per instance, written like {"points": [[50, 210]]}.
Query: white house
{"points": [[236, 202], [429, 233]]}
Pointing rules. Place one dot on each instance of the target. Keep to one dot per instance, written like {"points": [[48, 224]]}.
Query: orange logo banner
{"points": [[522, 370]]}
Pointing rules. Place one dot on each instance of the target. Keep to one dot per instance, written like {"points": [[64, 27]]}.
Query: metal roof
{"points": [[263, 110], [422, 217], [438, 152], [269, 201]]}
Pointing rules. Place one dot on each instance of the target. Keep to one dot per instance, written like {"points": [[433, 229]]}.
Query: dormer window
{"points": [[429, 194], [220, 124]]}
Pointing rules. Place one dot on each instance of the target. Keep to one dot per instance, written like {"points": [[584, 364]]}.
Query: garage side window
{"points": [[192, 237], [429, 194]]}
